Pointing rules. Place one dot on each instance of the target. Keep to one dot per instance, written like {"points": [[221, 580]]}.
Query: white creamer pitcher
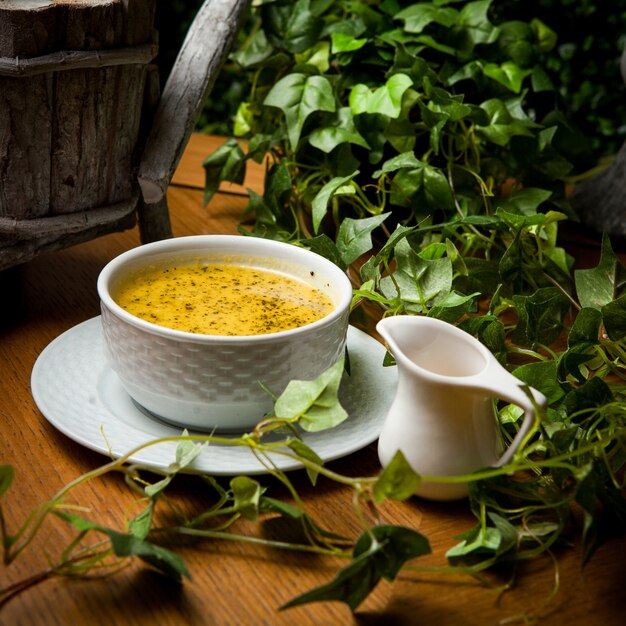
{"points": [[442, 417]]}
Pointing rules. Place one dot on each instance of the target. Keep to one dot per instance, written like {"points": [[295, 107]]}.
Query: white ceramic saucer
{"points": [[81, 396]]}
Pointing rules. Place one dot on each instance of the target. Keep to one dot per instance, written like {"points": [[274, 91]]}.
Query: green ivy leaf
{"points": [[391, 547], [451, 306], [154, 490], [569, 363], [187, 451], [247, 494], [326, 247], [340, 185], [417, 181], [81, 524], [266, 222], [401, 232], [315, 403], [495, 540], [582, 337], [339, 131], [614, 318], [6, 478], [355, 236], [508, 74], [298, 96], [444, 105], [294, 26], [317, 56], [540, 80], [367, 290], [473, 20], [259, 50], [502, 125], [397, 481], [384, 100], [508, 533], [517, 222], [546, 37], [271, 505], [434, 250], [403, 160], [242, 124], [604, 510], [227, 163], [594, 393], [525, 201], [490, 331], [542, 376], [516, 41], [472, 70], [480, 541], [343, 42], [401, 135], [261, 143], [140, 525], [540, 316], [167, 562], [586, 327], [431, 42], [124, 544], [307, 453], [417, 281], [418, 16], [378, 553], [436, 189], [276, 195], [596, 287]]}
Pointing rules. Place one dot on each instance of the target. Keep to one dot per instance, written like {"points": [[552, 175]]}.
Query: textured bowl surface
{"points": [[207, 381]]}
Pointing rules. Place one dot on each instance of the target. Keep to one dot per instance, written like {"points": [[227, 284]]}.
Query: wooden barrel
{"points": [[72, 82]]}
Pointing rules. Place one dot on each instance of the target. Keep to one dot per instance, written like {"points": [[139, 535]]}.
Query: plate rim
{"points": [[251, 467]]}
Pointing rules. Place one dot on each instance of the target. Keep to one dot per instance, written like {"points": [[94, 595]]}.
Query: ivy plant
{"points": [[422, 146]]}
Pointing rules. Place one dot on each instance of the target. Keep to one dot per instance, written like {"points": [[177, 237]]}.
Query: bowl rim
{"points": [[339, 277]]}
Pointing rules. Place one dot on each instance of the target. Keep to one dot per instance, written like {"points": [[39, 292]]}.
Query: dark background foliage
{"points": [[584, 64], [173, 18]]}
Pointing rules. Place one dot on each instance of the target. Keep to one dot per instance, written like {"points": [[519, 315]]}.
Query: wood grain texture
{"points": [[25, 146], [77, 59], [69, 133], [44, 236], [55, 226], [236, 584], [97, 116], [31, 28]]}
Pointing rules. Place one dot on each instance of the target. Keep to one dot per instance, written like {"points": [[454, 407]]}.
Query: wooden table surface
{"points": [[234, 583]]}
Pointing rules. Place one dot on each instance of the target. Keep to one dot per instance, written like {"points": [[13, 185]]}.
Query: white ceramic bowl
{"points": [[206, 382]]}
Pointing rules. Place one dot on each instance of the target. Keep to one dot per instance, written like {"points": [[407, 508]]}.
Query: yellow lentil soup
{"points": [[222, 299]]}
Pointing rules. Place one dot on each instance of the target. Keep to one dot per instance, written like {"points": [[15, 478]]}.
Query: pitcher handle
{"points": [[502, 384]]}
